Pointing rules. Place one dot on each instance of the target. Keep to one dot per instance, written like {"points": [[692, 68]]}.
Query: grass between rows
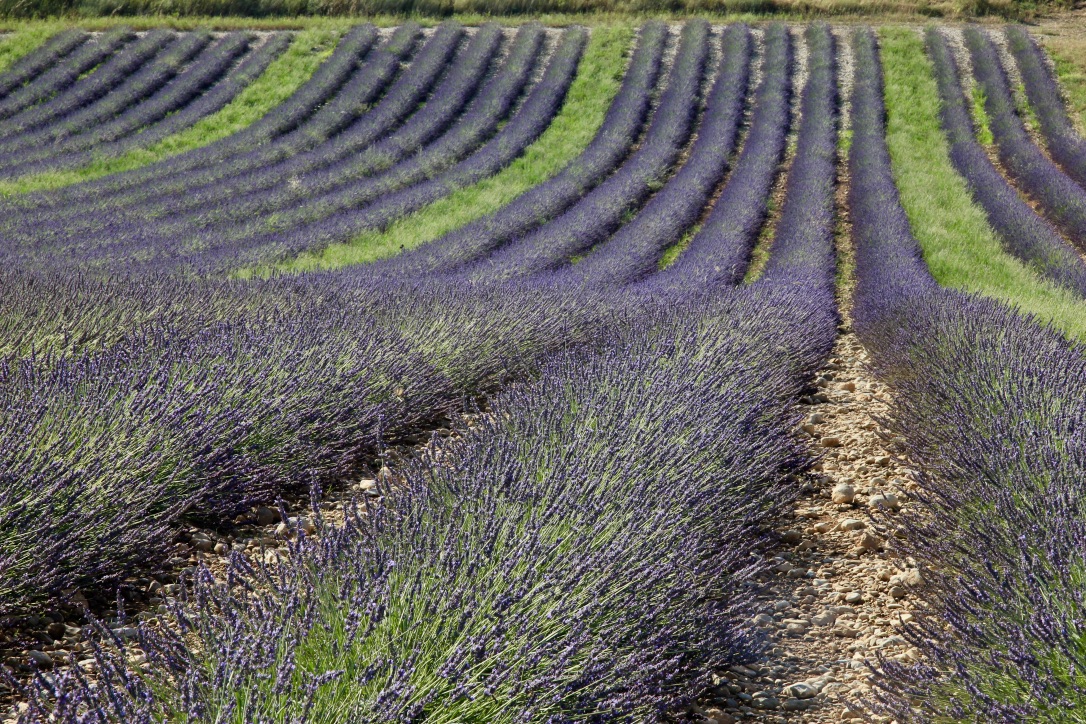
{"points": [[285, 74], [960, 247], [580, 117], [25, 39], [1069, 56]]}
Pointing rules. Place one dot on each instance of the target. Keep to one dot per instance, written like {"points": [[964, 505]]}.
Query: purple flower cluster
{"points": [[1060, 198], [989, 403], [1064, 144], [1024, 233]]}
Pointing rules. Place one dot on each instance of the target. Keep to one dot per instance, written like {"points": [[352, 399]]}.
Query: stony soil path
{"points": [[836, 595]]}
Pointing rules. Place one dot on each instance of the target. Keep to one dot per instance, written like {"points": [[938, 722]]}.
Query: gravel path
{"points": [[836, 596]]}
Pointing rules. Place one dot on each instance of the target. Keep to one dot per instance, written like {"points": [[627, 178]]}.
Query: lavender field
{"points": [[451, 372]]}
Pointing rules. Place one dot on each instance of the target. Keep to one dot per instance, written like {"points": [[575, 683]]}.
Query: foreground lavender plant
{"points": [[549, 565]]}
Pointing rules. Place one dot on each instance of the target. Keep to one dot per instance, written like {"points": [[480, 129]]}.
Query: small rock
{"points": [[869, 542], [851, 524], [40, 659], [763, 619], [282, 530], [766, 702], [908, 578], [848, 715], [126, 632], [815, 418], [897, 592], [824, 527], [305, 524], [782, 606], [56, 630], [795, 704], [266, 515], [849, 386], [831, 441], [800, 690], [792, 536], [826, 618], [884, 501], [88, 665], [854, 597], [843, 493], [221, 549], [367, 484]]}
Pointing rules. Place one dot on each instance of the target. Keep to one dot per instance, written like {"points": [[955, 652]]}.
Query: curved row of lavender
{"points": [[1064, 144], [198, 91], [634, 250], [727, 235], [480, 118], [61, 76], [554, 563], [215, 253], [95, 87], [990, 404], [1024, 233], [606, 151], [160, 88], [1060, 198], [37, 61], [344, 122], [77, 115], [288, 116], [466, 107]]}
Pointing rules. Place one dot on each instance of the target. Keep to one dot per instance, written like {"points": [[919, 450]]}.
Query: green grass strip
{"points": [[1069, 57], [25, 39], [285, 74], [959, 245], [581, 116]]}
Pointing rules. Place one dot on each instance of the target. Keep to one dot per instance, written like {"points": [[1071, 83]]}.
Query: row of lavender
{"points": [[990, 403], [555, 562], [79, 97]]}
